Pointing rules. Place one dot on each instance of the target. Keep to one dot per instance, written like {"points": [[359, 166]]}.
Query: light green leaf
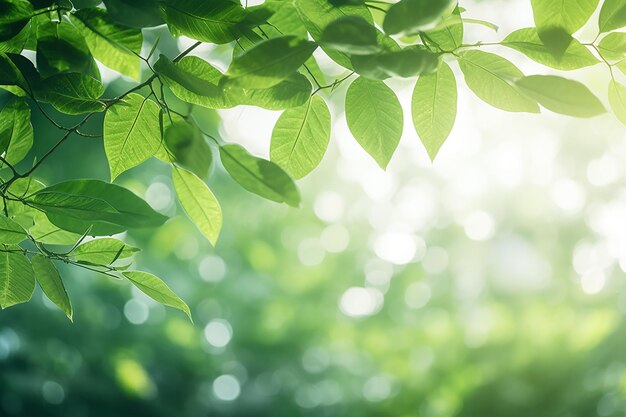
{"points": [[481, 22], [208, 21], [100, 207], [434, 106], [259, 176], [156, 289], [269, 62], [300, 137], [617, 100], [17, 280], [448, 34], [569, 15], [492, 78], [412, 16], [72, 93], [50, 282], [199, 203], [45, 232], [293, 91], [103, 251], [613, 47], [16, 131], [352, 35], [612, 15], [375, 118], [188, 147], [114, 45], [188, 80], [527, 41], [11, 233], [131, 133], [317, 14], [561, 95]]}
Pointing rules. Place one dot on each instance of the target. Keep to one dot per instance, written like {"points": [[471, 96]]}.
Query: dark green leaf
{"points": [[561, 95], [434, 106], [412, 16], [71, 93], [62, 48], [17, 280], [199, 203], [14, 16], [131, 133], [97, 206], [352, 35], [135, 13], [259, 176], [269, 62], [156, 289], [408, 62], [300, 137], [188, 147], [317, 14], [114, 45], [375, 118], [492, 78], [50, 282]]}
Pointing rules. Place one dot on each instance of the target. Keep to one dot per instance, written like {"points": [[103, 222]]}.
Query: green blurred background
{"points": [[490, 283]]}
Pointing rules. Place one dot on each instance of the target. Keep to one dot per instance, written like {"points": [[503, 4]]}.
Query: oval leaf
{"points": [[103, 251], [300, 137], [50, 282], [156, 289], [17, 280], [72, 93], [199, 203], [11, 233], [374, 116]]}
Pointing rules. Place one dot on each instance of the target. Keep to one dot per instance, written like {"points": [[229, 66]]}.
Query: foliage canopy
{"points": [[274, 47]]}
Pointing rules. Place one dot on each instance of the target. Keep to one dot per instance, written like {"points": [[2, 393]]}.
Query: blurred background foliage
{"points": [[490, 283]]}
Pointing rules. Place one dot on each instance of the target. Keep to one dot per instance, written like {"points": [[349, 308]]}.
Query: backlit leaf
{"points": [[72, 93], [375, 118], [16, 131], [617, 100], [50, 282], [612, 15], [17, 280], [156, 289], [412, 16], [103, 251], [11, 233]]}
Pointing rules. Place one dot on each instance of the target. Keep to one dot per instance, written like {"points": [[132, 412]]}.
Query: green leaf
{"points": [[17, 280], [131, 133], [617, 100], [102, 251], [613, 47], [434, 106], [412, 16], [293, 91], [561, 95], [481, 22], [11, 233], [408, 62], [135, 13], [71, 93], [212, 21], [492, 78], [612, 15], [569, 15], [259, 176], [300, 137], [449, 33], [62, 48], [352, 35], [317, 14], [97, 206], [14, 16], [50, 282], [527, 41], [375, 118], [188, 147], [188, 80], [114, 45], [199, 203], [17, 74], [44, 231], [269, 62], [156, 289], [16, 131], [17, 43]]}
